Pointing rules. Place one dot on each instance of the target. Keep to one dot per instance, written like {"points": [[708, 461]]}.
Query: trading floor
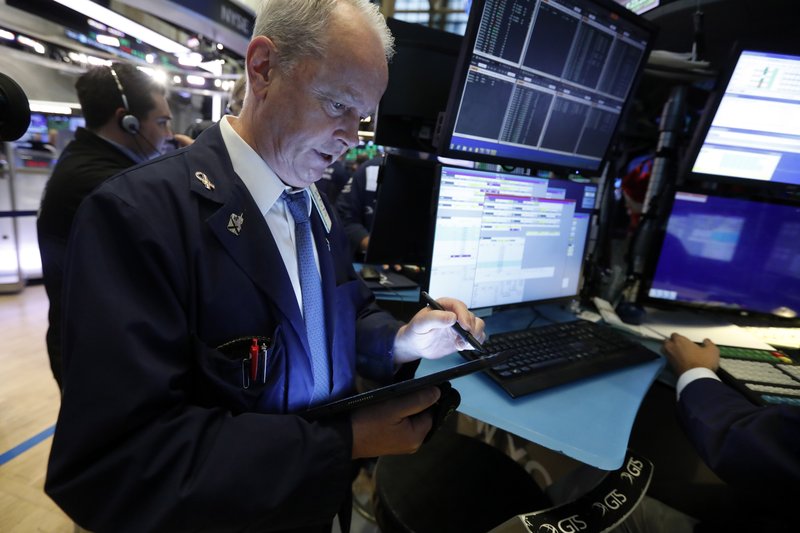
{"points": [[29, 406]]}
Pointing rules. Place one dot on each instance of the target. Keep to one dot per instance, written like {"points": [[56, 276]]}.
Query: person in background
{"points": [[127, 122], [233, 108], [356, 206], [333, 180], [211, 299], [726, 428], [236, 99], [752, 448]]}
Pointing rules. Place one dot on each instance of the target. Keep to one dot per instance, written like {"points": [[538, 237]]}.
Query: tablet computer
{"points": [[404, 387]]}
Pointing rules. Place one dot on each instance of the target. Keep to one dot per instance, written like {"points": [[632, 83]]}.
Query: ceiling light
{"points": [[7, 35], [27, 41], [46, 106], [214, 67], [176, 80], [150, 58], [191, 79], [191, 59], [108, 40], [106, 16]]}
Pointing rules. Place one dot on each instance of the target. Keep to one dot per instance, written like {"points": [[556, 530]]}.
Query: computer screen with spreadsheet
{"points": [[751, 126], [544, 83], [728, 253], [502, 239]]}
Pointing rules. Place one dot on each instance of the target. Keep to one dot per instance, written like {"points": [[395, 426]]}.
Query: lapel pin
{"points": [[235, 223], [204, 180]]}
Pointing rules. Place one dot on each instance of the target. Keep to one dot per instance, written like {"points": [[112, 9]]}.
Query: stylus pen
{"points": [[466, 335]]}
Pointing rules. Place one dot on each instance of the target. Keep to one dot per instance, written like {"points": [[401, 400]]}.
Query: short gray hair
{"points": [[298, 26]]}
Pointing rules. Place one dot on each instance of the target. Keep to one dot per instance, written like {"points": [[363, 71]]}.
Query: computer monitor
{"points": [[750, 129], [420, 76], [639, 6], [728, 253], [544, 83], [403, 211], [502, 239]]}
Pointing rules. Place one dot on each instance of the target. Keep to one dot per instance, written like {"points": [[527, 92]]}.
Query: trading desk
{"points": [[589, 420]]}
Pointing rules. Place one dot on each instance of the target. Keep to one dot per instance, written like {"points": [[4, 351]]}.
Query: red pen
{"points": [[254, 359]]}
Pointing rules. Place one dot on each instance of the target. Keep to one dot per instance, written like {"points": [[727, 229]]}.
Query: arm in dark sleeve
{"points": [[350, 206], [746, 445], [132, 450]]}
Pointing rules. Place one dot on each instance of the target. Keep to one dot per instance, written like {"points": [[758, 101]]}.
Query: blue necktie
{"points": [[311, 287]]}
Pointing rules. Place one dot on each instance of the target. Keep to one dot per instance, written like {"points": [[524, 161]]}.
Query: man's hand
{"points": [[182, 140], [394, 427], [684, 355], [429, 333]]}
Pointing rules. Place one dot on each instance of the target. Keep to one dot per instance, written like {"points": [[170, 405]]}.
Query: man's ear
{"points": [[261, 62]]}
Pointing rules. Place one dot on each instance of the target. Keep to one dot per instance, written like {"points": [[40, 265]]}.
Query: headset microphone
{"points": [[128, 122]]}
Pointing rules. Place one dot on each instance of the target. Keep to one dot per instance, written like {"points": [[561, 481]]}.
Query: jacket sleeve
{"points": [[744, 444], [350, 206], [132, 451]]}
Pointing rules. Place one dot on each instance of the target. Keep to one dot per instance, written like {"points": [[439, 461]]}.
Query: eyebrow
{"points": [[346, 97]]}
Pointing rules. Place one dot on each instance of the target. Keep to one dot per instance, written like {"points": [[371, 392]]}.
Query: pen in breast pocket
{"points": [[466, 335]]}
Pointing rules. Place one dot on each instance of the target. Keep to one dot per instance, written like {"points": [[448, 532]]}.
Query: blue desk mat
{"points": [[588, 420]]}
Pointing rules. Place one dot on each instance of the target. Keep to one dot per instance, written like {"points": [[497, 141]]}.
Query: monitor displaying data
{"points": [[503, 239], [730, 253], [751, 127], [544, 83]]}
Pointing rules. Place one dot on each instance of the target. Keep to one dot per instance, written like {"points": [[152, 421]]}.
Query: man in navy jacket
{"points": [[178, 266], [749, 446]]}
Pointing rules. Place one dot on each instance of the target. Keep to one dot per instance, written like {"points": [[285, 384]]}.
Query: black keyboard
{"points": [[559, 353]]}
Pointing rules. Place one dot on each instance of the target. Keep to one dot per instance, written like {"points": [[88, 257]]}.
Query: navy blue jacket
{"points": [[158, 431], [748, 446]]}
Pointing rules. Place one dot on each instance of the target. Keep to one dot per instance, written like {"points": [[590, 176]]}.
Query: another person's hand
{"points": [[363, 245], [684, 354], [182, 140], [429, 333], [394, 427]]}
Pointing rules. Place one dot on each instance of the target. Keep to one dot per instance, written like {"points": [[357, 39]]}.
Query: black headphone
{"points": [[128, 122]]}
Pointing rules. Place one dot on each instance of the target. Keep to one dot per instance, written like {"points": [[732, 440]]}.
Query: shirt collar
{"points": [[261, 181], [136, 158]]}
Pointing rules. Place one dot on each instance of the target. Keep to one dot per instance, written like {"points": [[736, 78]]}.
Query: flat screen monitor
{"points": [[403, 211], [639, 6], [750, 129], [502, 239], [732, 254], [420, 76], [544, 83]]}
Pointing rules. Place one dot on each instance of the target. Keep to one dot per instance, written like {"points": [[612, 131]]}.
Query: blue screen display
{"points": [[730, 253]]}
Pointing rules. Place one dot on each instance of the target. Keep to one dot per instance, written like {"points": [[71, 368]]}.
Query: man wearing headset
{"points": [[127, 122]]}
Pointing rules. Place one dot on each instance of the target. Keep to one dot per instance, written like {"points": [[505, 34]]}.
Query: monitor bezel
{"points": [[462, 69], [386, 212], [425, 280], [643, 297], [767, 189], [412, 35]]}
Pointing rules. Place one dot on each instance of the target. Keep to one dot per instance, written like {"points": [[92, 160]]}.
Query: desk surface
{"points": [[589, 420]]}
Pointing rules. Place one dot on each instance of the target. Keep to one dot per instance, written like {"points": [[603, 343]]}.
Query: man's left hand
{"points": [[429, 333]]}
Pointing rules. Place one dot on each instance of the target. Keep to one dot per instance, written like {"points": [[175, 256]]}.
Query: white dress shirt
{"points": [[266, 188], [691, 375]]}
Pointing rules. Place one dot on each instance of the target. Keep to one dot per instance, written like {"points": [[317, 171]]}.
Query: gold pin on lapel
{"points": [[204, 180], [235, 223]]}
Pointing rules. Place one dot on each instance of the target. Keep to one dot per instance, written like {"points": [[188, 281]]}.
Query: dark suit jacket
{"points": [[157, 431], [86, 163], [747, 446]]}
